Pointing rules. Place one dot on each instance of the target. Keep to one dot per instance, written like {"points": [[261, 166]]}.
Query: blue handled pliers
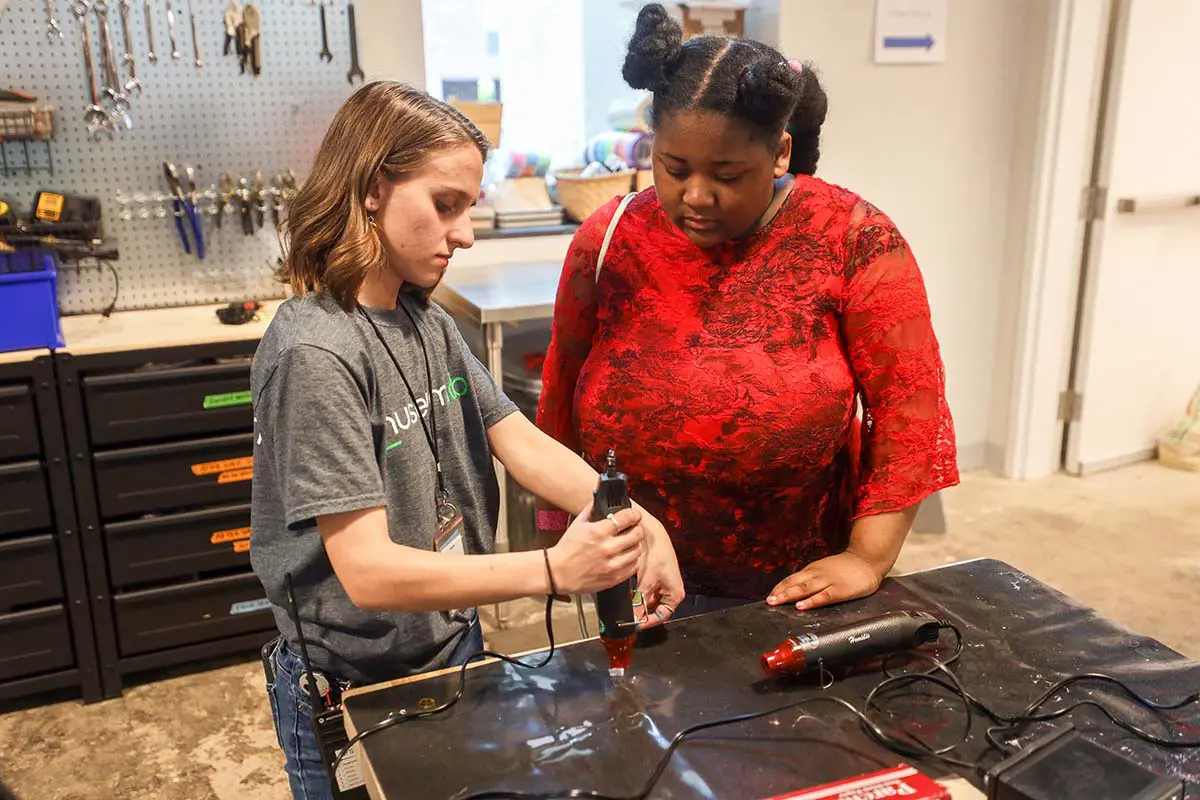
{"points": [[184, 205]]}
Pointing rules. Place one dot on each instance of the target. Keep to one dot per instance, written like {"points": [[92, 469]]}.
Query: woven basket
{"points": [[582, 196]]}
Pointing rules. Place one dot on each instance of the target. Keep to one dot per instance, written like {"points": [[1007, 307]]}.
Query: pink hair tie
{"points": [[796, 65]]}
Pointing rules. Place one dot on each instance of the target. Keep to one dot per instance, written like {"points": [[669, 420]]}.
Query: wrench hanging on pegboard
{"points": [[213, 119]]}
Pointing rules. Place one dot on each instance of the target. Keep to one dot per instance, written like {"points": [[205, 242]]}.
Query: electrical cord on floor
{"points": [[404, 715]]}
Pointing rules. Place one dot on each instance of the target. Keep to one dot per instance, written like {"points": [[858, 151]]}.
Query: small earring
{"points": [[371, 221]]}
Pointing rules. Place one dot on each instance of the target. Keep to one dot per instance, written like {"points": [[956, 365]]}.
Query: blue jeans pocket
{"points": [[294, 729]]}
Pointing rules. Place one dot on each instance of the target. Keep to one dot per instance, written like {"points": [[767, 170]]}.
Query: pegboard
{"points": [[213, 118]]}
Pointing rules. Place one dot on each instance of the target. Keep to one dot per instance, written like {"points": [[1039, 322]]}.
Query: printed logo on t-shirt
{"points": [[400, 421]]}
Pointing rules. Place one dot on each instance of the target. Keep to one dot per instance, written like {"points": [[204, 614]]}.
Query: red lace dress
{"points": [[727, 380]]}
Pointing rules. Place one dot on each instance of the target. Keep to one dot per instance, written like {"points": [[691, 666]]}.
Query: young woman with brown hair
{"points": [[375, 429]]}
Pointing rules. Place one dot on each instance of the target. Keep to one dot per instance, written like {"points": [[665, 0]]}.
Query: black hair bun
{"points": [[656, 43], [767, 92], [805, 124]]}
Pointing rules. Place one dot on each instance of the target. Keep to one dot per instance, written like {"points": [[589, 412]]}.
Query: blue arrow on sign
{"points": [[925, 41]]}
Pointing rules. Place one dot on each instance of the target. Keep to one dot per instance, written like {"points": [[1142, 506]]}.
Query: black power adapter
{"points": [[1065, 766]]}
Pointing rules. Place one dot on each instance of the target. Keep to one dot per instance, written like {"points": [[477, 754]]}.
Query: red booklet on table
{"points": [[901, 781]]}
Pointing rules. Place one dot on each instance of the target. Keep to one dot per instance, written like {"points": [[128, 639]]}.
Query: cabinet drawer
{"points": [[24, 501], [33, 642], [191, 613], [18, 423], [175, 546], [153, 406], [29, 572], [206, 472]]}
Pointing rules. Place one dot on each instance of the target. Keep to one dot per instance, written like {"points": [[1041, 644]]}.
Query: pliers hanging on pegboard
{"points": [[184, 205]]}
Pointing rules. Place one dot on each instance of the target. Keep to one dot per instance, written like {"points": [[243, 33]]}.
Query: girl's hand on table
{"points": [[835, 579]]}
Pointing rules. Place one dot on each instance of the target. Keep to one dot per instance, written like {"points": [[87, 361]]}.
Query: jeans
{"points": [[292, 712]]}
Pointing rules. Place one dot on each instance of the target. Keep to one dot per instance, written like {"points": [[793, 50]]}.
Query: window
{"points": [[460, 90], [558, 60]]}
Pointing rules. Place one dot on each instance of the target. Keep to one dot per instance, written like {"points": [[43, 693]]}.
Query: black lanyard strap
{"points": [[430, 437]]}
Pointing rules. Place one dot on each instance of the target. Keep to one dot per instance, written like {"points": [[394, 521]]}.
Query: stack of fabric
{"points": [[628, 146]]}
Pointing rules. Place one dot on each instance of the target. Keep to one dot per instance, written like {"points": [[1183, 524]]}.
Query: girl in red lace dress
{"points": [[743, 310]]}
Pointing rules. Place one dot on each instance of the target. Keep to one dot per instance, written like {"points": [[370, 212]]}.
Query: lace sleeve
{"points": [[908, 448], [572, 329]]}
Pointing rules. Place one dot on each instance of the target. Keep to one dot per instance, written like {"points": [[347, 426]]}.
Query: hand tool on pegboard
{"points": [[185, 206], [276, 199], [150, 54], [133, 82], [94, 115], [52, 28], [355, 69], [244, 201], [171, 30], [195, 38], [248, 40], [233, 19], [112, 86], [324, 55], [260, 200], [224, 195], [289, 185]]}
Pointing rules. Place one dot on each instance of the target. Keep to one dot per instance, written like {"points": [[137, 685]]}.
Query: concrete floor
{"points": [[1126, 543]]}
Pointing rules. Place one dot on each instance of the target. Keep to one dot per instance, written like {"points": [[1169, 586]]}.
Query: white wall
{"points": [[389, 40], [934, 146]]}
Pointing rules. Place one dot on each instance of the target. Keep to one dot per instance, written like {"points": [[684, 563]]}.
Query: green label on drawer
{"points": [[227, 399]]}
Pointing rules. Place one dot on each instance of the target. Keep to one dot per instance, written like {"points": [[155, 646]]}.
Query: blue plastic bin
{"points": [[29, 301]]}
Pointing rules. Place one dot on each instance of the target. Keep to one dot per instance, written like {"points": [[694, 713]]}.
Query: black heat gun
{"points": [[614, 606], [893, 632]]}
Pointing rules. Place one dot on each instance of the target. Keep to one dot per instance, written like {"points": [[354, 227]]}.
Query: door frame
{"points": [[1069, 123], [1108, 107]]}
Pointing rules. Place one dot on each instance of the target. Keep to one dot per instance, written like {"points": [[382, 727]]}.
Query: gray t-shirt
{"points": [[336, 431]]}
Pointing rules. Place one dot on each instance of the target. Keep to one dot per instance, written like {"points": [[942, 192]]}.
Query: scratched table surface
{"points": [[570, 726]]}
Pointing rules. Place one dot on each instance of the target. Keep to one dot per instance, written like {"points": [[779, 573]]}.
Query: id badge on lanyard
{"points": [[451, 540], [451, 532]]}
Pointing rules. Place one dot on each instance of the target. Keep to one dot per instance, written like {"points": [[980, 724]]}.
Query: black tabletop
{"points": [[571, 726]]}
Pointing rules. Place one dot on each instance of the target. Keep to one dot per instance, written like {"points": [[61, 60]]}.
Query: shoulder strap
{"points": [[612, 228]]}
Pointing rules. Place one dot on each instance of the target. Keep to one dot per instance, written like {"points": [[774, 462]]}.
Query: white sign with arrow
{"points": [[910, 31]]}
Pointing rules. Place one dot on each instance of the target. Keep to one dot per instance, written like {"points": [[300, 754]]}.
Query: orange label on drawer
{"points": [[217, 467], [242, 546], [235, 475], [231, 535]]}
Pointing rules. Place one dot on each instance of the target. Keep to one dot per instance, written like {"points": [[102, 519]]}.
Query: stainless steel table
{"points": [[488, 297]]}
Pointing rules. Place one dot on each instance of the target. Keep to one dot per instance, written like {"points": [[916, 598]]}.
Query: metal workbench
{"points": [[568, 725]]}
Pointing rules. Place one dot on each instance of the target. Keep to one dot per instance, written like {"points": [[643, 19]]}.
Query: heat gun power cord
{"points": [[404, 715], [911, 745]]}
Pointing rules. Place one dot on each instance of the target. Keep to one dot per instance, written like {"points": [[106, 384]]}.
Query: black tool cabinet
{"points": [[161, 450], [46, 636]]}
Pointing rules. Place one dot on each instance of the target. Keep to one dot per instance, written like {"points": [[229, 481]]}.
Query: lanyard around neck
{"points": [[430, 437]]}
